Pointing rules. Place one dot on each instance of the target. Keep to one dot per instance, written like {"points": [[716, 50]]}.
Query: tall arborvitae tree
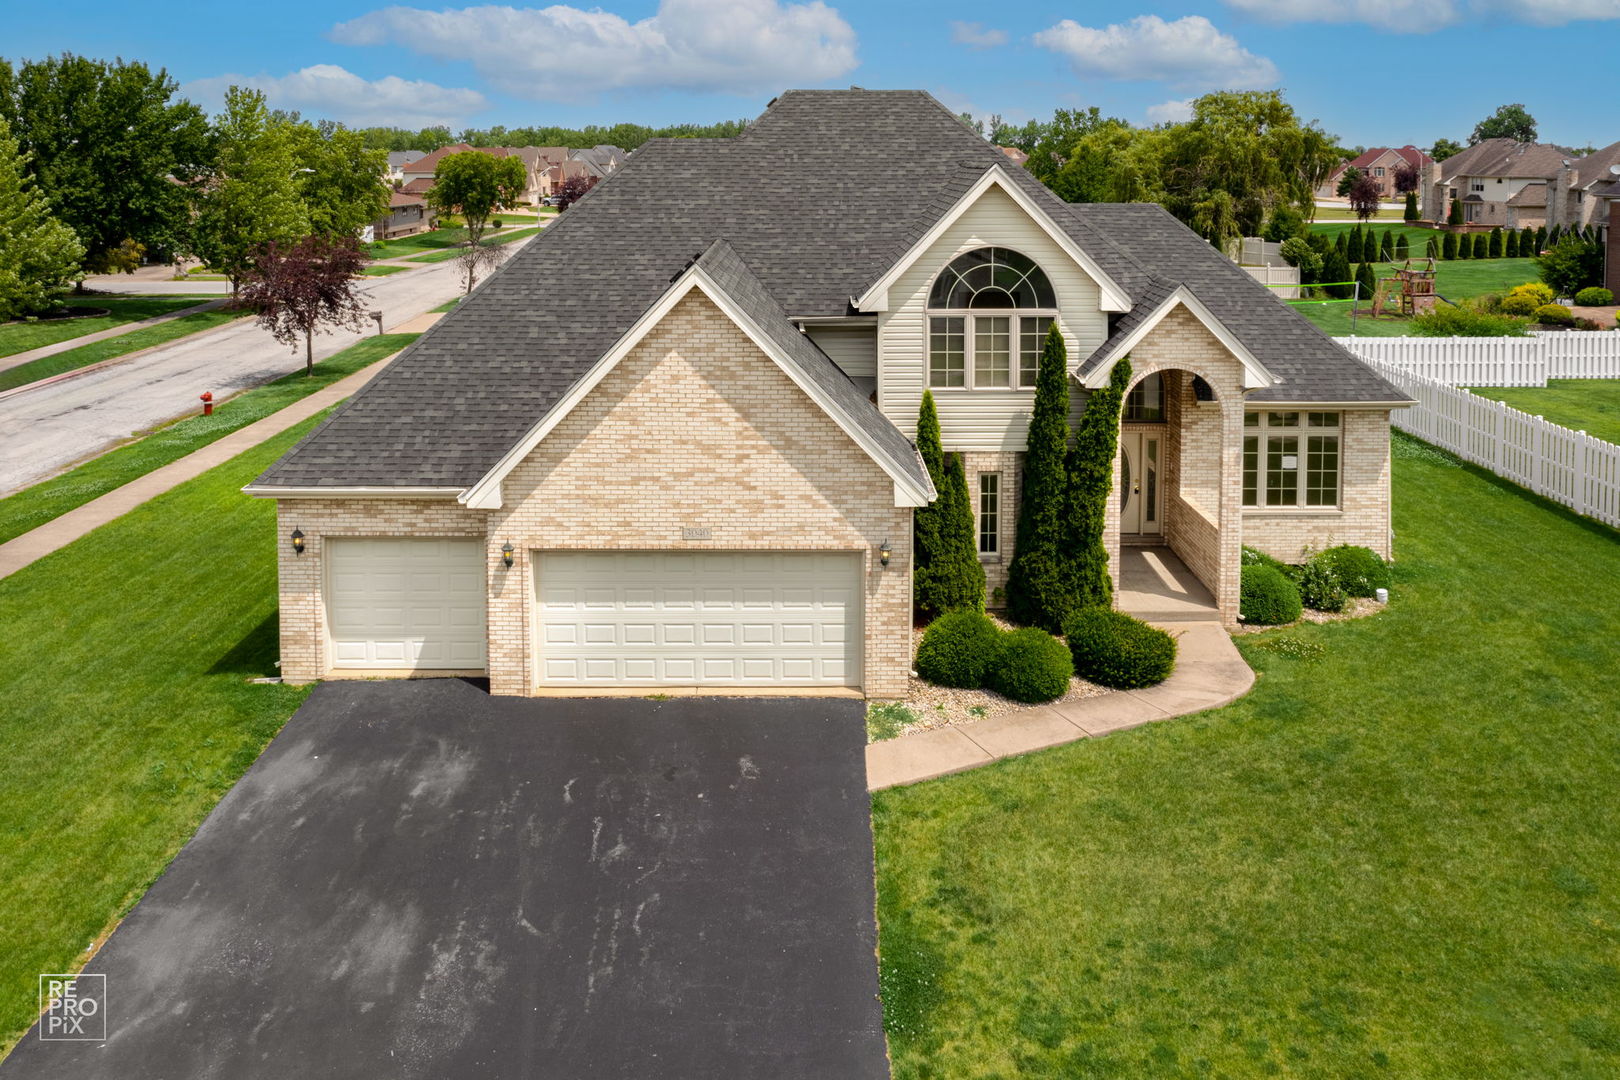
{"points": [[1527, 242], [1341, 244], [1449, 248], [1335, 272], [1482, 246], [1432, 249], [1411, 211], [1037, 582], [1456, 215], [1494, 248], [1386, 247], [1353, 249], [1368, 282], [947, 574], [1091, 479], [1403, 248], [1541, 239]]}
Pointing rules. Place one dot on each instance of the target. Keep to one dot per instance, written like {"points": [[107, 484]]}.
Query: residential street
{"points": [[46, 430]]}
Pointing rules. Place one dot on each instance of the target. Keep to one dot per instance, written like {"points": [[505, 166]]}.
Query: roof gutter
{"points": [[273, 491]]}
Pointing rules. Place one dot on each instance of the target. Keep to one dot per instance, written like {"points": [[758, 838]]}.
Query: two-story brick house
{"points": [[694, 467]]}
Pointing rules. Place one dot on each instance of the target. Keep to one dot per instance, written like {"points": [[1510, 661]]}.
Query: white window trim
{"points": [[967, 315], [1301, 472], [978, 518]]}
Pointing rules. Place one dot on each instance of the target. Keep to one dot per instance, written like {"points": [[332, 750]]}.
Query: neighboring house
{"points": [[407, 214], [397, 160], [1017, 156], [1379, 163], [419, 174], [695, 466], [600, 159], [1514, 185], [1607, 198]]}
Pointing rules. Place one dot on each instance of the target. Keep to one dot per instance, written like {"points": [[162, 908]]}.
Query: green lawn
{"points": [[16, 337], [504, 237], [383, 271], [1400, 859], [127, 712], [411, 245], [106, 349], [1589, 405], [1458, 280], [448, 304], [1416, 238], [34, 506]]}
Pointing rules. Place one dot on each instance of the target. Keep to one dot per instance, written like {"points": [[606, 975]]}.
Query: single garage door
{"points": [[699, 618], [406, 604]]}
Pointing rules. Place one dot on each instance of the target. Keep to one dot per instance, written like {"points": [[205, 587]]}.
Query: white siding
{"points": [[852, 348], [978, 419]]}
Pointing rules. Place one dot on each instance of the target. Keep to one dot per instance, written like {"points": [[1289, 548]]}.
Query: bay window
{"points": [[1291, 459]]}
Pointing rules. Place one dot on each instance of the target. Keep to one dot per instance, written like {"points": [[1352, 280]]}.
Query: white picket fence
{"points": [[1497, 361], [1568, 467]]}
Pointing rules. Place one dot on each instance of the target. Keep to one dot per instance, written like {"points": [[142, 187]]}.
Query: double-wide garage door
{"points": [[406, 604], [698, 618]]}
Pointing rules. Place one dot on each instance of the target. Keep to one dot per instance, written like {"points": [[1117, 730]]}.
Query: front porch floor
{"points": [[1156, 586]]}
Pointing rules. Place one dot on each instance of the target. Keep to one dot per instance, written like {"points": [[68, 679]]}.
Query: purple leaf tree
{"points": [[299, 288]]}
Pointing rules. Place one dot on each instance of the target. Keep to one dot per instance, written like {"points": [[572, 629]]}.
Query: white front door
{"points": [[698, 618], [405, 604], [1140, 459]]}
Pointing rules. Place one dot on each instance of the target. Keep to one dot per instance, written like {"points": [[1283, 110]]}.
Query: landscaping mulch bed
{"points": [[945, 706], [1359, 608]]}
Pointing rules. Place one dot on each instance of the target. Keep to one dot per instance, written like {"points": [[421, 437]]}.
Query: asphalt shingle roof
{"points": [[820, 195]]}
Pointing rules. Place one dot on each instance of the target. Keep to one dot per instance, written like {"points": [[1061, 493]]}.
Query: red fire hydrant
{"points": [[208, 403]]}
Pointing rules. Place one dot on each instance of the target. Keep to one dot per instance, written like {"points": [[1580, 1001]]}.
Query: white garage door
{"points": [[406, 604], [699, 618]]}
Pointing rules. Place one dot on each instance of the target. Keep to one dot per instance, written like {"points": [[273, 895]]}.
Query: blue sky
{"points": [[1379, 72]]}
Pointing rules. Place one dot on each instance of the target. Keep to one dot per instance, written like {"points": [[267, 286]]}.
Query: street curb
{"points": [[7, 363], [64, 376]]}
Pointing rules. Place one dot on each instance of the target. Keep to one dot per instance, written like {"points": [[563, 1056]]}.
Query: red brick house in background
{"points": [[1380, 163]]}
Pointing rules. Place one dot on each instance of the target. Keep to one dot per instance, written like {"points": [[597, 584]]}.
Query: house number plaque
{"points": [[695, 534]]}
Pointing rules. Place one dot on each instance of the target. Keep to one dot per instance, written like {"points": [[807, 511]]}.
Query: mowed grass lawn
{"points": [[1589, 405], [1457, 280], [34, 506], [415, 244], [503, 237], [107, 348], [20, 336], [1399, 859], [125, 710]]}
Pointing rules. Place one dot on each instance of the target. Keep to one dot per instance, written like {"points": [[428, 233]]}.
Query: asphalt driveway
{"points": [[419, 880]]}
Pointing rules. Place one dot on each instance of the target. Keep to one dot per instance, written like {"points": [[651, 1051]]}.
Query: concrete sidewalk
{"points": [[59, 532], [19, 359]]}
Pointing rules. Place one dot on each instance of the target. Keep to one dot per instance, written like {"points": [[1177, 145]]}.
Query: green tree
{"points": [[1432, 249], [1573, 263], [1445, 148], [1354, 247], [1341, 244], [1336, 271], [475, 185], [1091, 477], [39, 255], [1347, 180], [1527, 242], [1507, 122], [1367, 281], [1510, 244], [1541, 239], [1038, 579], [1386, 246], [947, 574], [1411, 211], [340, 178], [104, 139], [1286, 223], [1449, 249], [251, 199], [1482, 246], [1494, 248], [1456, 215], [1403, 248]]}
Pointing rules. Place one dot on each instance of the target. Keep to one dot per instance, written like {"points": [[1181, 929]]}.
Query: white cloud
{"points": [[1188, 53], [731, 46], [1422, 16], [326, 91], [1171, 112], [976, 35]]}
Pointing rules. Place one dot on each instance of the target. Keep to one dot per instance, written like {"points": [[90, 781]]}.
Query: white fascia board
{"points": [[270, 491], [1255, 375], [1114, 298], [486, 494]]}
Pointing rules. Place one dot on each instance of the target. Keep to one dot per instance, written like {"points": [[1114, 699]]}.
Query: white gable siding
{"points": [[978, 419], [852, 348]]}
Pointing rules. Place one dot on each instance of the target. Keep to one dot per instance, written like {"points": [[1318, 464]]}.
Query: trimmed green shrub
{"points": [[958, 649], [1518, 304], [1319, 587], [1090, 468], [1554, 315], [1335, 269], [948, 574], [1341, 244], [1493, 248], [1110, 648], [1482, 245], [1403, 250], [1031, 666], [1359, 570], [1510, 245], [1541, 238], [1256, 557], [1594, 297], [1527, 242], [1539, 291], [1354, 253], [1448, 247], [1386, 247], [1286, 223], [1267, 597], [1411, 211], [1554, 236], [1456, 215], [1432, 248], [1448, 321], [1367, 280]]}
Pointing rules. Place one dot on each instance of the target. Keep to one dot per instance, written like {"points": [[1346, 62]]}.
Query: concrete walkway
{"points": [[19, 359], [59, 532], [1209, 673]]}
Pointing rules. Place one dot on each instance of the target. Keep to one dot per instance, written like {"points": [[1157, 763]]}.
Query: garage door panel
{"points": [[406, 603], [726, 618]]}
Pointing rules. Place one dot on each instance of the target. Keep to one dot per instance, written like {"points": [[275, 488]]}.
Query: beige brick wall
{"points": [[1363, 513], [696, 428], [302, 579], [1010, 466]]}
